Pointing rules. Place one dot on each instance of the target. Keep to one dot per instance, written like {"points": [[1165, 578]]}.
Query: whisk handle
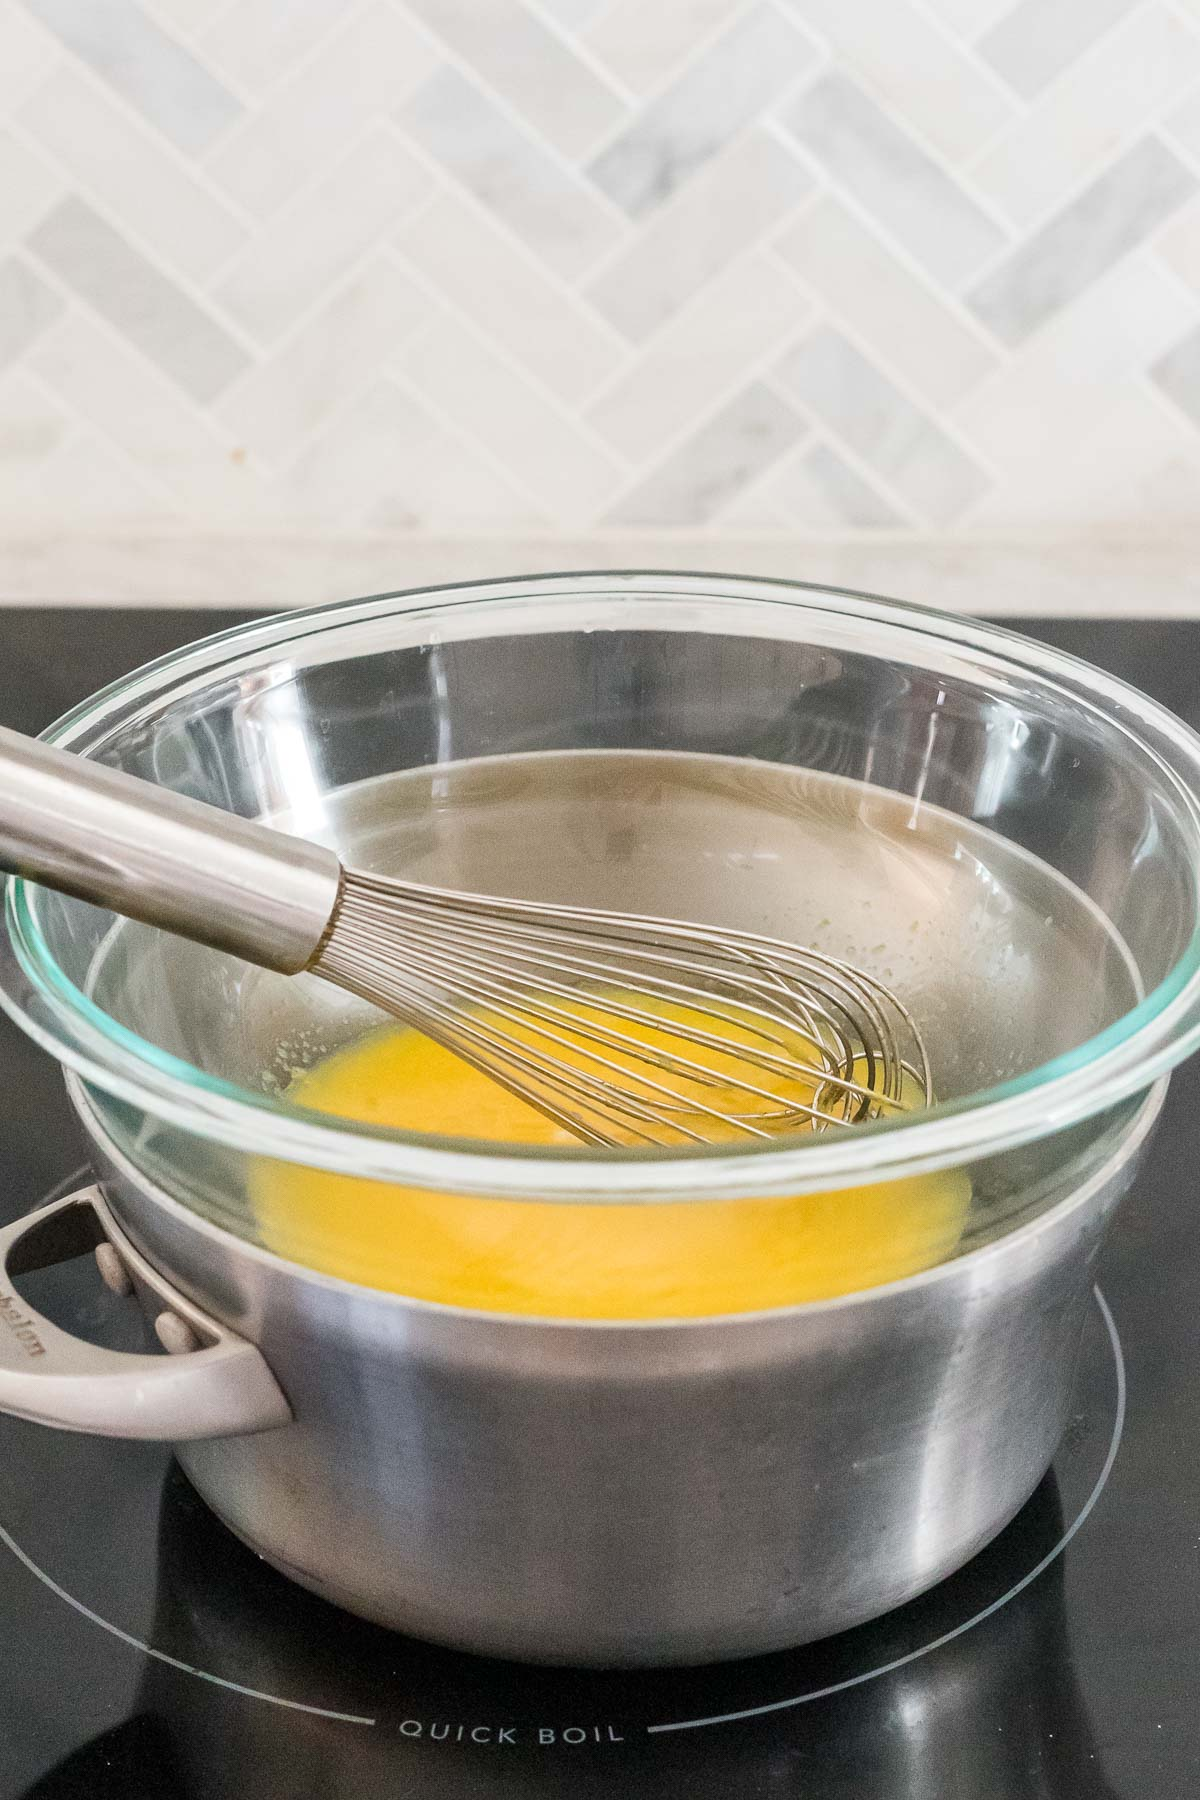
{"points": [[160, 857]]}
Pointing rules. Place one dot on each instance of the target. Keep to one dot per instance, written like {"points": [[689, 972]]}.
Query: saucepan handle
{"points": [[211, 1382]]}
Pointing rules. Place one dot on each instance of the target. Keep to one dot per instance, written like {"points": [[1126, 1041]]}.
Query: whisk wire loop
{"points": [[628, 1029]]}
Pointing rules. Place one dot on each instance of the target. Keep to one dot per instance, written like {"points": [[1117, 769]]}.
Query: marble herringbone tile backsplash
{"points": [[552, 268]]}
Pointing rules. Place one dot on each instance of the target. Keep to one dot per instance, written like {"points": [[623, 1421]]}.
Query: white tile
{"points": [[92, 481], [1177, 374], [441, 483], [752, 510], [27, 54], [511, 173], [554, 91], [492, 405], [969, 19], [909, 195], [29, 188], [645, 44], [389, 463], [1135, 457], [188, 18], [699, 356], [569, 15], [1046, 401], [1168, 493], [32, 427], [1178, 244], [1128, 201], [28, 307], [125, 400], [1088, 115], [257, 41], [149, 67], [819, 488], [120, 164], [904, 319], [309, 119], [1182, 126], [815, 489], [389, 269], [305, 249], [478, 269], [110, 386], [759, 57], [695, 479], [728, 207], [288, 395], [1038, 39], [176, 332], [940, 91], [828, 377]]}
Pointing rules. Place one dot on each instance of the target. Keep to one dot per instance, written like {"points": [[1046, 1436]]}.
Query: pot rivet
{"points": [[113, 1272], [175, 1334]]}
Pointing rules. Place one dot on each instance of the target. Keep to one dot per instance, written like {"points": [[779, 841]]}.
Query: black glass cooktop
{"points": [[144, 1653]]}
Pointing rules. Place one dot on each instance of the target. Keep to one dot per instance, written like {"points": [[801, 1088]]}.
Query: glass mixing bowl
{"points": [[1049, 950]]}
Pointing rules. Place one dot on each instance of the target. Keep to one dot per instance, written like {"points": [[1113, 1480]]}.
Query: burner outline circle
{"points": [[947, 1637], [672, 1725]]}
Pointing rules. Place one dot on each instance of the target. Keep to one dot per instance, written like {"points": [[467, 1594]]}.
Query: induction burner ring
{"points": [[671, 1726], [899, 1662]]}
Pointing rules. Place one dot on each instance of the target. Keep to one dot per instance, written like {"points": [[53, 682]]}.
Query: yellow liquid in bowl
{"points": [[676, 1260]]}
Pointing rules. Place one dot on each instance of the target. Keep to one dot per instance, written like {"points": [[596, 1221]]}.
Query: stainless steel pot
{"points": [[968, 1720], [582, 1493], [614, 1492]]}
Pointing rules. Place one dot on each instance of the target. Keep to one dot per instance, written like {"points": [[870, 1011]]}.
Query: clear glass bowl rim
{"points": [[1119, 1062]]}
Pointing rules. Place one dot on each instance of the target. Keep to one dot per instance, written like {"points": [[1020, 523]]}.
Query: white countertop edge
{"points": [[1096, 576]]}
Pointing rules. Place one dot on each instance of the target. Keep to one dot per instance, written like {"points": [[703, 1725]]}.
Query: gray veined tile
{"points": [[162, 79], [1178, 375], [733, 81], [902, 319], [118, 163], [831, 379], [1072, 250], [732, 203], [701, 475], [1129, 80], [510, 172], [1038, 39], [894, 178], [915, 71], [27, 306], [843, 495], [533, 69], [157, 317]]}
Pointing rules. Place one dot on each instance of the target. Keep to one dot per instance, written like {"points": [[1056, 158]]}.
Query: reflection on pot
{"points": [[994, 1711]]}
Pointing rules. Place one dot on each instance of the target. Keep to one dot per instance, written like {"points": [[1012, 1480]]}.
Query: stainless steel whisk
{"points": [[625, 1030]]}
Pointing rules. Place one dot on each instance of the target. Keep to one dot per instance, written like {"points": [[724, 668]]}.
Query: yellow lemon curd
{"points": [[577, 1261]]}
